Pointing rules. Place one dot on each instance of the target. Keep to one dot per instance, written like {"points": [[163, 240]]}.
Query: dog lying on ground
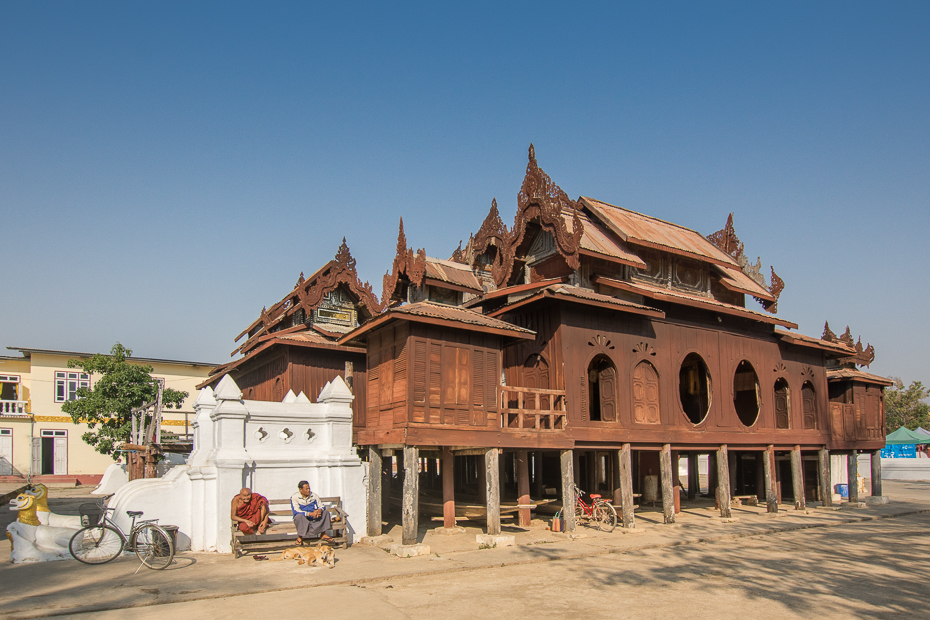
{"points": [[319, 556]]}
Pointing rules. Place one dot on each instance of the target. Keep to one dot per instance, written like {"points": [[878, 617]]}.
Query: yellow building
{"points": [[37, 438]]}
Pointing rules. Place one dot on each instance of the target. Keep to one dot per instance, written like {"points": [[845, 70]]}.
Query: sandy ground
{"points": [[866, 562]]}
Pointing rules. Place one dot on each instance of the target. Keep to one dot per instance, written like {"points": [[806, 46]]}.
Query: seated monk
{"points": [[250, 511]]}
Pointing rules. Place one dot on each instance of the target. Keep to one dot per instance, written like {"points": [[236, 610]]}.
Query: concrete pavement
{"points": [[197, 579]]}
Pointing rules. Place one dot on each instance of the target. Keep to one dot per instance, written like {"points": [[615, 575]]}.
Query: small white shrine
{"points": [[268, 447]]}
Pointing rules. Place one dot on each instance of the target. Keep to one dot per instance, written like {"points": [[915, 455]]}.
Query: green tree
{"points": [[118, 388], [905, 406]]}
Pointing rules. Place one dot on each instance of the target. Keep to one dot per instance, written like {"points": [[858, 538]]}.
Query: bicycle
{"points": [[600, 511], [101, 540]]}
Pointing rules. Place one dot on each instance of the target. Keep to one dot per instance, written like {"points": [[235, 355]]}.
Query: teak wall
{"points": [[281, 368], [430, 377]]}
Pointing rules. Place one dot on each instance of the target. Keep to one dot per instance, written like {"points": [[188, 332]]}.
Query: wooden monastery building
{"points": [[585, 345]]}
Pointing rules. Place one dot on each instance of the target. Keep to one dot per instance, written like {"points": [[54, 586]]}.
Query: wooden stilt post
{"points": [[538, 474], [712, 476], [852, 471], [676, 481], [567, 461], [374, 491], [694, 476], [665, 477], [410, 503], [768, 464], [523, 485], [626, 487], [576, 466], [877, 473], [448, 488], [823, 468], [493, 492], [797, 478], [723, 482]]}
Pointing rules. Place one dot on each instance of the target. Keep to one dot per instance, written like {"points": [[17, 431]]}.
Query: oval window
{"points": [[746, 393], [694, 388]]}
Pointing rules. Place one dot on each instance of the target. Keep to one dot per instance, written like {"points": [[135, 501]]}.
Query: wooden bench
{"points": [[282, 533], [737, 500]]}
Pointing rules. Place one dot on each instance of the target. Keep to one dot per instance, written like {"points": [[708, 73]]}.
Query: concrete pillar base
{"points": [[449, 531], [491, 540], [853, 505], [409, 551], [875, 500], [732, 519], [376, 541]]}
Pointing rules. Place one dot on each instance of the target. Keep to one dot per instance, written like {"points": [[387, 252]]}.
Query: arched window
{"points": [[646, 394], [694, 388], [746, 393], [809, 405], [602, 390], [782, 405]]}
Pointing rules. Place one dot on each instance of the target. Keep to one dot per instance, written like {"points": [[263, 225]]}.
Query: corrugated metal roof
{"points": [[796, 338], [583, 293], [737, 280], [26, 352], [457, 314], [671, 295], [451, 272], [594, 239], [640, 229], [857, 375]]}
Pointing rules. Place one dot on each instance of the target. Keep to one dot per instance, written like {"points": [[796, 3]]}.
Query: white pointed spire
{"points": [[302, 398], [205, 398], [290, 397], [227, 390]]}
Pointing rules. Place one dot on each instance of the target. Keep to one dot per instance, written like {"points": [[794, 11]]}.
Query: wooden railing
{"points": [[532, 409], [13, 407]]}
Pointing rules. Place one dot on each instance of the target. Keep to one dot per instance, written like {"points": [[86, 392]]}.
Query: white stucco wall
{"points": [[268, 447]]}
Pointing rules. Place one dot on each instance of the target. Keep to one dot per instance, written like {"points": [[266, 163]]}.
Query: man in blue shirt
{"points": [[310, 515]]}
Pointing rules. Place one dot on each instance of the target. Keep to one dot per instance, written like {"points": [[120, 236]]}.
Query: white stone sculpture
{"points": [[32, 541]]}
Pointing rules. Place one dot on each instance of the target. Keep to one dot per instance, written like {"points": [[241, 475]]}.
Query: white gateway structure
{"points": [[268, 447]]}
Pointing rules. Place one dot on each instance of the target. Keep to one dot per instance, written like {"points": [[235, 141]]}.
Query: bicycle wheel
{"points": [[153, 546], [606, 517], [97, 544]]}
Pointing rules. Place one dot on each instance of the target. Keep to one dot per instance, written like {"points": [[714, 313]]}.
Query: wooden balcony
{"points": [[13, 407], [532, 409]]}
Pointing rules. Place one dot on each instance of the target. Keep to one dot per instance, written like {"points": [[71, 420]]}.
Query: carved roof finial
{"points": [[532, 153], [401, 238], [828, 334]]}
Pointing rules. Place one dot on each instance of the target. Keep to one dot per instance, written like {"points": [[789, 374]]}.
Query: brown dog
{"points": [[319, 555]]}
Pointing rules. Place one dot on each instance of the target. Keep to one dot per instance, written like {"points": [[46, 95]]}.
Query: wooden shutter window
{"points": [[435, 374], [419, 372]]}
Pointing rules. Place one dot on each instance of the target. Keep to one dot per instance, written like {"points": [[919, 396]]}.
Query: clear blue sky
{"points": [[166, 169]]}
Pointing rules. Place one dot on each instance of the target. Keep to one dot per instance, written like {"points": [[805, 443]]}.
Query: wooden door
{"points": [[61, 456], [782, 419], [536, 375], [645, 394], [809, 402], [607, 380]]}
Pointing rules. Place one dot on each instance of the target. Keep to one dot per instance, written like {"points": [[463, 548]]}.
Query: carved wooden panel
{"points": [[645, 394], [809, 406], [689, 276], [782, 414], [607, 380], [656, 271]]}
